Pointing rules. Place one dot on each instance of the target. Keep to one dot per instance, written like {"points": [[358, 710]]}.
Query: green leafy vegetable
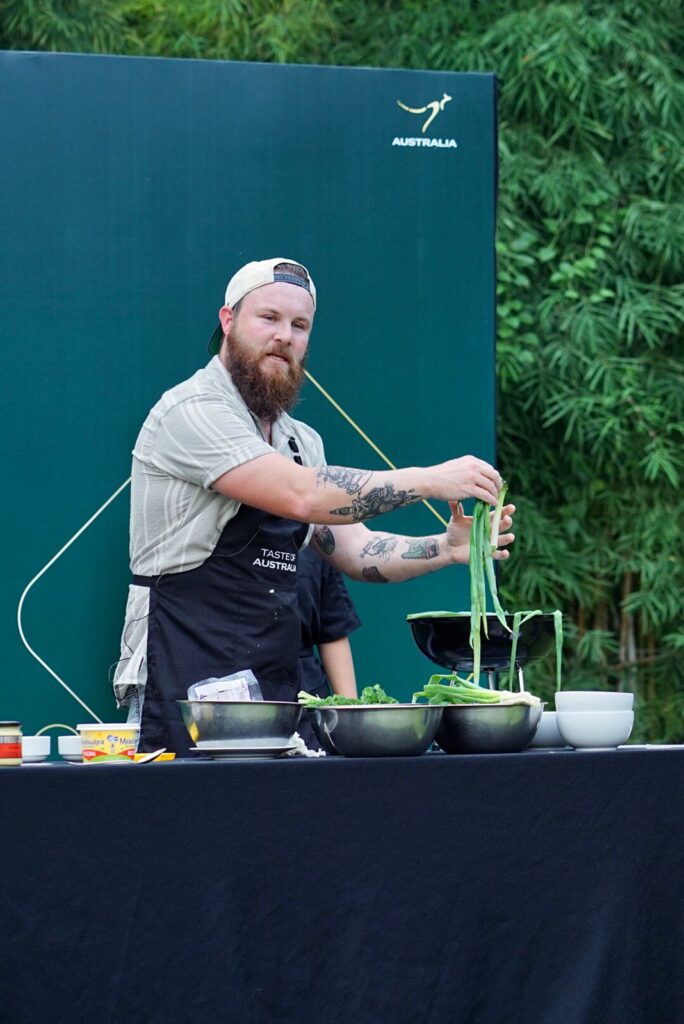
{"points": [[369, 695]]}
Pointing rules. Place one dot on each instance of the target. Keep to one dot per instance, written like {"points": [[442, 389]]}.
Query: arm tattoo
{"points": [[377, 501], [422, 548], [380, 546], [325, 539], [349, 480], [371, 574]]}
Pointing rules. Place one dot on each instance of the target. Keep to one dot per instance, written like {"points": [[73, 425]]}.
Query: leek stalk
{"points": [[483, 544]]}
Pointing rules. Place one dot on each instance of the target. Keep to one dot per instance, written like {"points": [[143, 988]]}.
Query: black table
{"points": [[543, 888]]}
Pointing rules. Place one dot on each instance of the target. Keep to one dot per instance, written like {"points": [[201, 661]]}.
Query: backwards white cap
{"points": [[257, 274]]}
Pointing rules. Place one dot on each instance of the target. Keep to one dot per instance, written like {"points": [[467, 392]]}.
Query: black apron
{"points": [[237, 610]]}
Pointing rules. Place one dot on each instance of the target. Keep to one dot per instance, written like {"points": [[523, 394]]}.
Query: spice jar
{"points": [[10, 743]]}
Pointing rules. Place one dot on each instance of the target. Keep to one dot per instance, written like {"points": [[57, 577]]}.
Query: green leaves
{"points": [[591, 391], [65, 25]]}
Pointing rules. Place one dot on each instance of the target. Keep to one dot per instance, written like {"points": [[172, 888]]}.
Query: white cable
{"points": [[35, 579]]}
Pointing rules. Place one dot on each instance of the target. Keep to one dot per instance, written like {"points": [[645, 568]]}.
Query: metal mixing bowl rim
{"points": [[245, 703], [370, 707], [504, 704]]}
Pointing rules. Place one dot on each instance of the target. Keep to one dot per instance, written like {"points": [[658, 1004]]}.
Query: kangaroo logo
{"points": [[433, 107]]}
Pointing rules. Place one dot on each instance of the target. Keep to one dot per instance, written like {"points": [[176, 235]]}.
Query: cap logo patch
{"points": [[291, 279]]}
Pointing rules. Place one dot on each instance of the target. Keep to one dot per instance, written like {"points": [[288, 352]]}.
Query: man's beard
{"points": [[266, 394]]}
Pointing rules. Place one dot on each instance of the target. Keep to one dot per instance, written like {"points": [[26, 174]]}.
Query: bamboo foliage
{"points": [[590, 292], [591, 233]]}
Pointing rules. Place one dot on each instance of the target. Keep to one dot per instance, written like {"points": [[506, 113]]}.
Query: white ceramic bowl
{"points": [[69, 748], [593, 700], [35, 748], [547, 734], [595, 728]]}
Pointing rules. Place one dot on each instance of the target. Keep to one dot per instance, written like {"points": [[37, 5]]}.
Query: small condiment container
{"points": [[10, 743]]}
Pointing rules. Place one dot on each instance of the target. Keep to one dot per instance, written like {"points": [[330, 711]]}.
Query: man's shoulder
{"points": [[208, 384], [184, 411]]}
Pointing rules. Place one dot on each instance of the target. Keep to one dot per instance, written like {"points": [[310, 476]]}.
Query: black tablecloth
{"points": [[543, 888]]}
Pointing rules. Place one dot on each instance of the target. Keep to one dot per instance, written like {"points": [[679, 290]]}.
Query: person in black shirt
{"points": [[327, 617]]}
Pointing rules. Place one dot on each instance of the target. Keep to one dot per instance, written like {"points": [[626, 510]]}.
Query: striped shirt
{"points": [[196, 432]]}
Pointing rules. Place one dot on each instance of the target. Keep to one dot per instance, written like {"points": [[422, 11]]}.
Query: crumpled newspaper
{"points": [[300, 749]]}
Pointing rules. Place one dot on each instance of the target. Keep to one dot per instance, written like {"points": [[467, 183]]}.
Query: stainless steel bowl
{"points": [[487, 728], [239, 723], [387, 730]]}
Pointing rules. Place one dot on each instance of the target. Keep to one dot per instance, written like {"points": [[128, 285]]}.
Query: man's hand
{"points": [[460, 525], [467, 477]]}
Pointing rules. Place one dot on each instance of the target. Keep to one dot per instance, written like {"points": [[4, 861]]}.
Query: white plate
{"points": [[229, 753]]}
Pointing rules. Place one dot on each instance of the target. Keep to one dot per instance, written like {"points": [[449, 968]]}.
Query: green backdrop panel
{"points": [[130, 190]]}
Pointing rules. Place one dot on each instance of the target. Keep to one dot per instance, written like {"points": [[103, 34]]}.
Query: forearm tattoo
{"points": [[380, 547], [325, 539], [376, 502], [428, 548], [349, 480], [373, 575]]}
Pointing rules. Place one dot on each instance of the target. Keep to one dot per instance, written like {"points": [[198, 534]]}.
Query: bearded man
{"points": [[227, 488]]}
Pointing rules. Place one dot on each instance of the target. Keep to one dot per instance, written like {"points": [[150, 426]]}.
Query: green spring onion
{"points": [[489, 560], [483, 544], [462, 691], [478, 602], [558, 625], [518, 619]]}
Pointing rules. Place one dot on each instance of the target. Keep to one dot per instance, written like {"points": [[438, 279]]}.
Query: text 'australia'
{"points": [[430, 143], [284, 560]]}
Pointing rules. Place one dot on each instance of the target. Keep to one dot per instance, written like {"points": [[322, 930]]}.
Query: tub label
{"points": [[101, 744]]}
